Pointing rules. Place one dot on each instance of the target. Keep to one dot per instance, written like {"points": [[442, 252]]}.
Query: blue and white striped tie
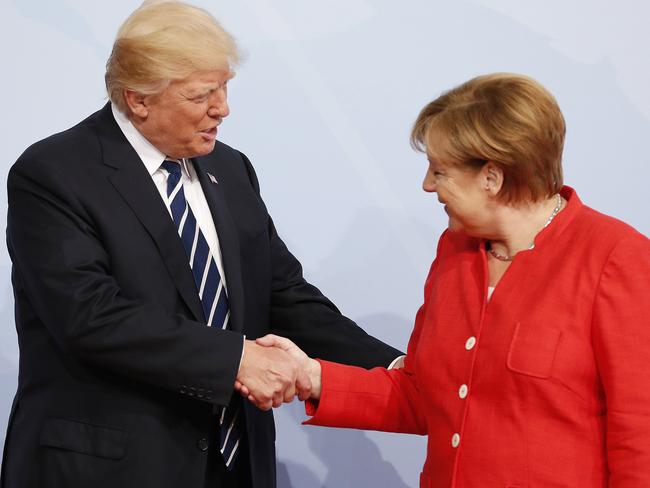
{"points": [[212, 293]]}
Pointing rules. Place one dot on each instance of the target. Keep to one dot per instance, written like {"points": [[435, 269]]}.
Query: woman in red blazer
{"points": [[529, 362]]}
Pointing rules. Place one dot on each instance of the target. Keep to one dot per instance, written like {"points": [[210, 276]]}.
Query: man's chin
{"points": [[203, 150]]}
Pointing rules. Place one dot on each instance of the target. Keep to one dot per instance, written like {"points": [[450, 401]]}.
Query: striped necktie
{"points": [[212, 293]]}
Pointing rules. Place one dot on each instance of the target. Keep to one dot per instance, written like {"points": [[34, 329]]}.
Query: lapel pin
{"points": [[212, 179]]}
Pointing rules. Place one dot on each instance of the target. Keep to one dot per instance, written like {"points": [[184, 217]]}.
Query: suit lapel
{"points": [[135, 185], [228, 239]]}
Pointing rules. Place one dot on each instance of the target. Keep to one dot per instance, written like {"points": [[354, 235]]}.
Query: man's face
{"points": [[182, 120]]}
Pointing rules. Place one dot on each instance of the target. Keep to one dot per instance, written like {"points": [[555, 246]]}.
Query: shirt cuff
{"points": [[398, 362], [241, 359]]}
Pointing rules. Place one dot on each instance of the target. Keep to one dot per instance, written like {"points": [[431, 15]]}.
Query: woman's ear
{"points": [[492, 176]]}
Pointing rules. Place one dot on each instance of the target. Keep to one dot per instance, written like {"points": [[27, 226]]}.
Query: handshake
{"points": [[274, 371]]}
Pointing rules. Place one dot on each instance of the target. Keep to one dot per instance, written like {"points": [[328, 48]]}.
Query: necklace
{"points": [[555, 211]]}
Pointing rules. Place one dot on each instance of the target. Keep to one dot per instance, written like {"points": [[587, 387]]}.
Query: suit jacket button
{"points": [[203, 444]]}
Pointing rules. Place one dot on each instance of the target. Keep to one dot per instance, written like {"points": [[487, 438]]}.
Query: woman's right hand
{"points": [[309, 365]]}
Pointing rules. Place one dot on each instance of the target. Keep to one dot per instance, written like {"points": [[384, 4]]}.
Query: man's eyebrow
{"points": [[190, 92]]}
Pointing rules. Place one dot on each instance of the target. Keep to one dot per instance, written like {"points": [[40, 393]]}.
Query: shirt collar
{"points": [[150, 155]]}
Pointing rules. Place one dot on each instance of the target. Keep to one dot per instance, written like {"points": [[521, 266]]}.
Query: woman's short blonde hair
{"points": [[505, 118], [165, 41]]}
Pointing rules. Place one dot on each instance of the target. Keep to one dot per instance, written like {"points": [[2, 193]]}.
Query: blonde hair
{"points": [[505, 118], [165, 41]]}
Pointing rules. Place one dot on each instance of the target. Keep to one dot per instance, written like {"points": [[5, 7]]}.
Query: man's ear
{"points": [[136, 103], [492, 178]]}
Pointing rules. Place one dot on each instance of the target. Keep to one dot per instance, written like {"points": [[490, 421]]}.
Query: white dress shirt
{"points": [[490, 291], [152, 158]]}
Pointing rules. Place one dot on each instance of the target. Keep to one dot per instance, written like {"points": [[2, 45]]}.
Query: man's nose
{"points": [[219, 106], [221, 110]]}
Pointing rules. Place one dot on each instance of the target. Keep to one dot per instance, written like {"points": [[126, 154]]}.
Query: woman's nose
{"points": [[429, 183]]}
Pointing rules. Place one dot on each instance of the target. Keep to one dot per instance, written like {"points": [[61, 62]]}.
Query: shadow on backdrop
{"points": [[296, 475], [8, 350]]}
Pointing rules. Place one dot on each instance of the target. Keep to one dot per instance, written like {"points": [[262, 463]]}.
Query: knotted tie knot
{"points": [[172, 166]]}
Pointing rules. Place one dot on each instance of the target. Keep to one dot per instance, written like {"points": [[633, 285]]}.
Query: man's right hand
{"points": [[272, 376]]}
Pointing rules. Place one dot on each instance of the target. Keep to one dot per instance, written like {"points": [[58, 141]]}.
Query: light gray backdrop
{"points": [[323, 106]]}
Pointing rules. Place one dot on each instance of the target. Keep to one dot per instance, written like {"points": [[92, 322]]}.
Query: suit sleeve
{"points": [[302, 313], [621, 337], [61, 267], [379, 399]]}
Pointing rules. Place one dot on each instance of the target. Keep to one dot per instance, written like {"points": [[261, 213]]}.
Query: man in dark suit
{"points": [[144, 266]]}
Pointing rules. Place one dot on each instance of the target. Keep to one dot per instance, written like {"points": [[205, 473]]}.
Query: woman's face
{"points": [[462, 193]]}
